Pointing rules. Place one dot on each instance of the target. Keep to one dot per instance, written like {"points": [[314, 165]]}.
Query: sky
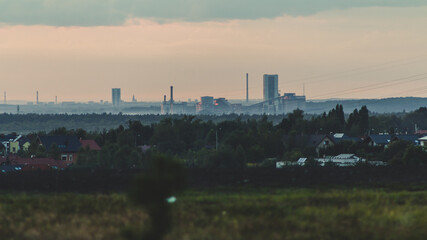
{"points": [[78, 50]]}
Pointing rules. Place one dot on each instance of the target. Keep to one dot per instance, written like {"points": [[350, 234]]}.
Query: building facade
{"points": [[206, 105], [116, 96], [271, 86]]}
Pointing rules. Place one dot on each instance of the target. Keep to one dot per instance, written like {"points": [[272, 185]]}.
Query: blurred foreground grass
{"points": [[224, 214]]}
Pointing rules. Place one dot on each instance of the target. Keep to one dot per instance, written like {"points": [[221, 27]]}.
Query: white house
{"points": [[423, 141], [342, 160]]}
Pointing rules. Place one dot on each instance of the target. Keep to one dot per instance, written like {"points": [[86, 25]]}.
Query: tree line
{"points": [[236, 142]]}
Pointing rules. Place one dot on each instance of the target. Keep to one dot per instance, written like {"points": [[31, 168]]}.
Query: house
{"points": [[9, 168], [317, 142], [28, 164], [20, 142], [378, 140], [145, 148], [302, 161], [340, 137], [282, 164], [423, 141], [342, 160], [385, 139], [39, 163], [5, 141], [413, 139], [421, 132], [90, 144], [321, 141], [68, 146]]}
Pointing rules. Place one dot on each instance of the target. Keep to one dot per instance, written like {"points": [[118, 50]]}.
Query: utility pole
{"points": [[303, 89], [216, 139], [247, 87]]}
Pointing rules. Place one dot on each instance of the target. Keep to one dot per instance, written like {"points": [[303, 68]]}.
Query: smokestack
{"points": [[5, 97], [303, 89], [171, 94], [37, 99], [247, 87], [164, 98]]}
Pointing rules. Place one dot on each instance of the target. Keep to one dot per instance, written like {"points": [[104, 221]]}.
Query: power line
{"points": [[416, 90], [374, 86], [357, 71]]}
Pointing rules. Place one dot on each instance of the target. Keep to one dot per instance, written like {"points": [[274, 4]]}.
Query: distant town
{"points": [[272, 103]]}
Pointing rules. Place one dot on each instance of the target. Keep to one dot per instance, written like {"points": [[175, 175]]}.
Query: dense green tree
{"points": [[394, 152], [55, 152], [414, 155]]}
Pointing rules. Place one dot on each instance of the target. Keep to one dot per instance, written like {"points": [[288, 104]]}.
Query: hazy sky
{"points": [[80, 49]]}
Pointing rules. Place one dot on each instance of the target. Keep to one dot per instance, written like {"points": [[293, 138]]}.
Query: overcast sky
{"points": [[79, 50]]}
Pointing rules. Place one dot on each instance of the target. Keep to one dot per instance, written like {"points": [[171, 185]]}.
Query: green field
{"points": [[331, 213]]}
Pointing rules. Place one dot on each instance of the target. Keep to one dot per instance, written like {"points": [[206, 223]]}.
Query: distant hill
{"points": [[386, 105]]}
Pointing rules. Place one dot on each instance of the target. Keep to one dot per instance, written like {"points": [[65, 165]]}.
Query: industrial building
{"points": [[116, 96], [273, 102], [291, 101], [206, 105], [271, 87], [172, 107]]}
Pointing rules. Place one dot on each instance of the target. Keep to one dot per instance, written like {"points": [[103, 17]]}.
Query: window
{"points": [[70, 158], [64, 157]]}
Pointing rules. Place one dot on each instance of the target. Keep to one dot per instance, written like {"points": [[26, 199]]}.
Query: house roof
{"points": [[48, 162], [338, 137], [380, 139], [408, 138], [423, 138], [345, 156], [315, 140], [24, 140], [8, 137], [64, 143], [40, 161], [91, 144], [145, 148], [421, 132], [9, 168]]}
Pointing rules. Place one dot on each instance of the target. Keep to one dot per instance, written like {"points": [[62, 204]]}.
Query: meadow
{"points": [[223, 213]]}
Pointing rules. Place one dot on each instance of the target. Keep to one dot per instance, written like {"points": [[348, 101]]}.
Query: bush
{"points": [[163, 180]]}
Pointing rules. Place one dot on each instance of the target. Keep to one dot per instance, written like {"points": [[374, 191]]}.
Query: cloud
{"points": [[116, 12]]}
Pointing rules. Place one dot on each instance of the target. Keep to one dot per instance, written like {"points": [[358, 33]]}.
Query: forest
{"points": [[241, 141]]}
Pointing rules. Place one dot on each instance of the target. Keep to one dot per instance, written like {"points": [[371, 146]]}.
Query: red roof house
{"points": [[91, 144], [38, 163]]}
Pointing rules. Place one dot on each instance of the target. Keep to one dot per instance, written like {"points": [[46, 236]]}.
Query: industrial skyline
{"points": [[266, 91], [275, 101]]}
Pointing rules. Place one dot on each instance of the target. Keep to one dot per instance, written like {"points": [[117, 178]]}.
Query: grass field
{"points": [[330, 213]]}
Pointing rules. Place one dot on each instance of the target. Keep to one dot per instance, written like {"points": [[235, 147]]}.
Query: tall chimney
{"points": [[37, 98], [171, 94], [303, 89], [164, 98], [4, 97], [247, 87]]}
